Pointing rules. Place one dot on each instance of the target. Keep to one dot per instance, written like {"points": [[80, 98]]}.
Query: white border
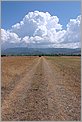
{"points": [[81, 53]]}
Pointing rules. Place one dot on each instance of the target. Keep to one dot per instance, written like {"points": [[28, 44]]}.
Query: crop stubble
{"points": [[41, 88]]}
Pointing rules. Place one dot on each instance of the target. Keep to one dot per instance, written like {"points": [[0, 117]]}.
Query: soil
{"points": [[40, 91]]}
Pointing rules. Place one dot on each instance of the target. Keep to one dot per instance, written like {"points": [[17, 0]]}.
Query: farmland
{"points": [[40, 88]]}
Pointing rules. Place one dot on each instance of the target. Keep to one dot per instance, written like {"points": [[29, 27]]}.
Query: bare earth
{"points": [[41, 88]]}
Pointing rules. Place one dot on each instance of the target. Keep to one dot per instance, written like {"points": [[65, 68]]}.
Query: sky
{"points": [[46, 24]]}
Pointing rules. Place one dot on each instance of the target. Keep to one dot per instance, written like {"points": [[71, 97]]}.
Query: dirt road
{"points": [[41, 94]]}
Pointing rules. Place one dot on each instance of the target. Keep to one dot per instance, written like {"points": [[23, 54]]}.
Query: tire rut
{"points": [[38, 96], [15, 81], [15, 101]]}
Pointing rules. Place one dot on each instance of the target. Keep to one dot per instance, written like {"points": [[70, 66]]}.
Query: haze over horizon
{"points": [[41, 28]]}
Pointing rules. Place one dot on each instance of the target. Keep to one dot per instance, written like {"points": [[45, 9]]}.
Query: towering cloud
{"points": [[39, 29]]}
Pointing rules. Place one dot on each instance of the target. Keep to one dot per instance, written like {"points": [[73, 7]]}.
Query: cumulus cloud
{"points": [[9, 39], [40, 29], [72, 34], [36, 24]]}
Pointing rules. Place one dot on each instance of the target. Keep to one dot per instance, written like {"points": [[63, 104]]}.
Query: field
{"points": [[40, 88]]}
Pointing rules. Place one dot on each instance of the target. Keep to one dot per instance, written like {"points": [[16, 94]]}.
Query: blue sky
{"points": [[13, 12], [40, 24]]}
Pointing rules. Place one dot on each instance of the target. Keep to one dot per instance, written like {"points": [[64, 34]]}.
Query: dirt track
{"points": [[41, 95]]}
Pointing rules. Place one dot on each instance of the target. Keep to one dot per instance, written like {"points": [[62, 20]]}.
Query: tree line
{"points": [[43, 55]]}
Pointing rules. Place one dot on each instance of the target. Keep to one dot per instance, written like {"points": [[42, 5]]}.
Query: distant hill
{"points": [[40, 51]]}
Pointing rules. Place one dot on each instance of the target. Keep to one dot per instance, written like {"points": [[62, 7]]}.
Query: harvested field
{"points": [[41, 88]]}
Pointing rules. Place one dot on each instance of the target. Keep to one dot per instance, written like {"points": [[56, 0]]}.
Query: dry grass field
{"points": [[40, 88]]}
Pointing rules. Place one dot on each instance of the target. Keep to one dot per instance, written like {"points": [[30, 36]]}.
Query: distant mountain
{"points": [[39, 51]]}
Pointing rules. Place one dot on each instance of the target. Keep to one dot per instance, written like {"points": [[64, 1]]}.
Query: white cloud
{"points": [[36, 23], [72, 34], [40, 29], [67, 45], [9, 39]]}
